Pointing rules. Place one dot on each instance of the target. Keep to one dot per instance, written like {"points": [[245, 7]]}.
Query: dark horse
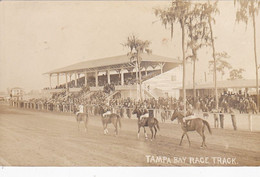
{"points": [[82, 117], [110, 119], [150, 122], [196, 124]]}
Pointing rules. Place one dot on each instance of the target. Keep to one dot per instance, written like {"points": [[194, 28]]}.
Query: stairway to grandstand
{"points": [[110, 96], [151, 75], [88, 94], [154, 93]]}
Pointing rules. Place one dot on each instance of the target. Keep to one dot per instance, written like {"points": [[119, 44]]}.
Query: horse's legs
{"points": [[78, 124], [103, 123], [188, 137], [145, 134], [155, 131], [116, 130], [151, 129], [85, 126], [201, 133], [182, 138], [86, 123], [138, 131], [106, 129], [203, 138]]}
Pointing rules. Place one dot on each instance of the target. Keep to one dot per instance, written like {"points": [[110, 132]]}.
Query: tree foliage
{"points": [[178, 12], [249, 9], [221, 64], [137, 47], [246, 9], [236, 74]]}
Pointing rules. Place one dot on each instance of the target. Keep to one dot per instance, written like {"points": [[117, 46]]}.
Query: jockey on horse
{"points": [[108, 110], [145, 113], [80, 110], [188, 117]]}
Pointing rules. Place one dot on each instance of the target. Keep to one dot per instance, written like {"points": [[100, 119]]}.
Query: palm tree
{"points": [[249, 9], [178, 12], [137, 47]]}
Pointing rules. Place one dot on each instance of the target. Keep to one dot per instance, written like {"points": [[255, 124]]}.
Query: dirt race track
{"points": [[34, 138]]}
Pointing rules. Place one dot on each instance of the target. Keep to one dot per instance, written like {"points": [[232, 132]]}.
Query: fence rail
{"points": [[243, 121]]}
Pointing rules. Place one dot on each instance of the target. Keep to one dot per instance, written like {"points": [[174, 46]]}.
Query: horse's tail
{"points": [[119, 120], [157, 123], [208, 126]]}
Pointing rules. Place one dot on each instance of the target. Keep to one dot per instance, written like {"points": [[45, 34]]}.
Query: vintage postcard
{"points": [[129, 83]]}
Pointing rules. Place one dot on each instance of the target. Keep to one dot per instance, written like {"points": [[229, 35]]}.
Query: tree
{"points": [[198, 37], [209, 10], [236, 74], [178, 12], [137, 47], [249, 9], [221, 64]]}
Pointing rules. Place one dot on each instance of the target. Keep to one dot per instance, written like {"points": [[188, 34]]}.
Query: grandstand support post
{"points": [[86, 79], [161, 67], [122, 77], [50, 80], [96, 76], [66, 77], [58, 79], [140, 76], [76, 80], [108, 76], [145, 71], [136, 71]]}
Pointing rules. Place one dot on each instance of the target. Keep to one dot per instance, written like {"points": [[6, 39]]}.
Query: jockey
{"points": [[81, 108], [108, 111], [189, 116], [145, 112]]}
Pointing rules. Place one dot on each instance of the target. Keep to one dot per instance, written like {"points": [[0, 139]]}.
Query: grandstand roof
{"points": [[114, 62], [241, 83]]}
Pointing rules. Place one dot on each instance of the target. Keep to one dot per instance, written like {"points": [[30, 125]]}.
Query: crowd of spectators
{"points": [[129, 79], [244, 103]]}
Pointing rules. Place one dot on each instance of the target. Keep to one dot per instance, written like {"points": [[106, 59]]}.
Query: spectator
{"points": [[233, 119], [221, 118]]}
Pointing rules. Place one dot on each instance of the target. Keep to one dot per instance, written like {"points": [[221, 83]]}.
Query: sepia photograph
{"points": [[129, 84]]}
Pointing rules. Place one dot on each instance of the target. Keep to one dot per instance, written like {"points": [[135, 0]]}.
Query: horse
{"points": [[110, 119], [196, 124], [164, 115], [82, 117], [150, 122]]}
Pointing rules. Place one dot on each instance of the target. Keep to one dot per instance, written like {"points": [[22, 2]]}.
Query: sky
{"points": [[39, 36]]}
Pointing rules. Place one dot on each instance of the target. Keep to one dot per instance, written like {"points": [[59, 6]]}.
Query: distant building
{"points": [[16, 93], [166, 84], [118, 71], [241, 86]]}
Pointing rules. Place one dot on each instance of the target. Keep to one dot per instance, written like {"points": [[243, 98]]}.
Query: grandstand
{"points": [[117, 73]]}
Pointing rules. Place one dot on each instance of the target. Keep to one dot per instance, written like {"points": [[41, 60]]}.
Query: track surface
{"points": [[34, 138]]}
